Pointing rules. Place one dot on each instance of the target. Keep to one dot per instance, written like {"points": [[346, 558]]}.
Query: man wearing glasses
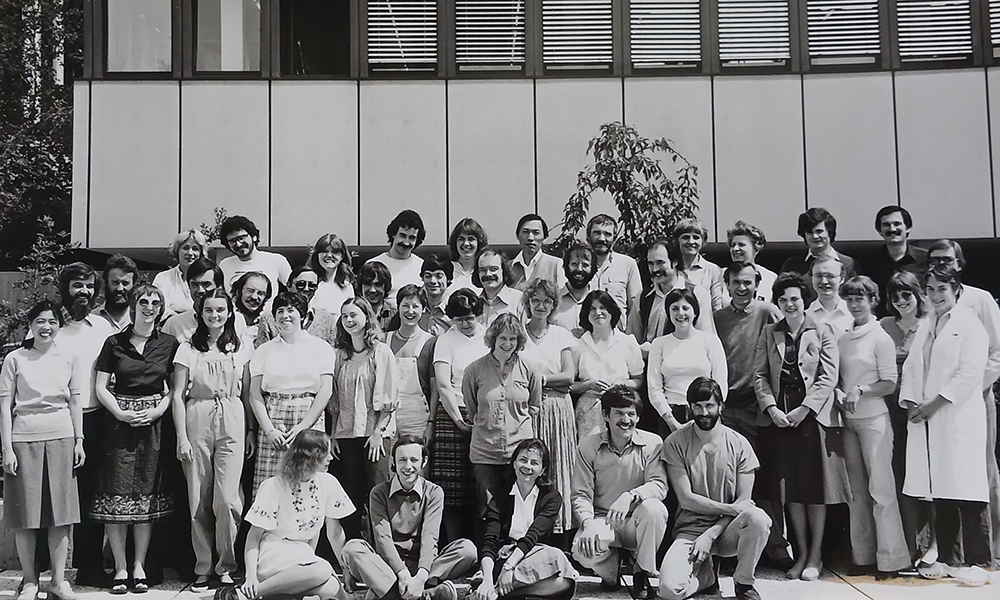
{"points": [[241, 237], [893, 223], [318, 322], [493, 274], [203, 278], [827, 274]]}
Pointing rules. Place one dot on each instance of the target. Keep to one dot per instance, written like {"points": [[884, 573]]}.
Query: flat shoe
{"points": [[226, 579], [933, 571], [810, 573], [29, 591], [200, 584], [63, 591]]}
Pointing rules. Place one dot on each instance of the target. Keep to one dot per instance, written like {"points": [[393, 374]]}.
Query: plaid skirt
{"points": [[285, 412], [450, 466]]}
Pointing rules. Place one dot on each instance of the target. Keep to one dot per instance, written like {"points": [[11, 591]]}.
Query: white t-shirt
{"points": [[275, 266], [331, 297], [457, 350], [292, 368], [403, 271], [545, 356], [84, 341]]}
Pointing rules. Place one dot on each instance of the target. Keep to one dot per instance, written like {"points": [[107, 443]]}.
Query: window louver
{"points": [[665, 33], [843, 31], [402, 35], [753, 32], [995, 26], [576, 34], [934, 29], [489, 34]]}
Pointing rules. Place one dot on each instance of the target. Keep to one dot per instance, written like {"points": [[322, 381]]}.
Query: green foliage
{"points": [[649, 201], [211, 232]]}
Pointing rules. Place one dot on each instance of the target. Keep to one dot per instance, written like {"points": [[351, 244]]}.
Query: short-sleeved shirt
{"points": [[213, 374], [183, 325], [292, 367], [403, 271], [614, 362], [545, 355], [40, 387], [330, 296], [298, 514], [138, 374], [274, 266], [457, 350], [84, 340], [713, 471]]}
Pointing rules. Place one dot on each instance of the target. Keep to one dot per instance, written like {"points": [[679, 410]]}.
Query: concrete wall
{"points": [[305, 158]]}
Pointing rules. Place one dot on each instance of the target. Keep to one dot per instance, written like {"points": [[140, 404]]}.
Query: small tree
{"points": [[649, 201], [212, 232]]}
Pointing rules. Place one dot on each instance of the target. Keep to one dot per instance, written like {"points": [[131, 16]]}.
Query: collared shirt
{"points": [[619, 276], [501, 402], [138, 373], [839, 318], [462, 278], [982, 303], [524, 512], [881, 267], [292, 367], [406, 522], [656, 324], [434, 320], [507, 300], [84, 340], [567, 311], [709, 276], [767, 279], [119, 325], [456, 350], [602, 474], [319, 323], [543, 266], [176, 293], [802, 263]]}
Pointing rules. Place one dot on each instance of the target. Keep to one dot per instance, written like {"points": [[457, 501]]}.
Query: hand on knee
{"points": [[651, 509]]}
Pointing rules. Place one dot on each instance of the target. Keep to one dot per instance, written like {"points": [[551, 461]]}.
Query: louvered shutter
{"points": [[995, 26], [843, 31], [753, 32], [489, 34], [665, 33], [576, 34], [934, 29], [402, 35]]}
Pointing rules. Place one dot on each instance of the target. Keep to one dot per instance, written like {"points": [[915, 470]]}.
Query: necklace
{"points": [[404, 338], [539, 335]]}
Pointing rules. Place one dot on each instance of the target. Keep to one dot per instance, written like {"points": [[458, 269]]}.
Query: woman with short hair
{"points": [[186, 247], [413, 349], [330, 258]]}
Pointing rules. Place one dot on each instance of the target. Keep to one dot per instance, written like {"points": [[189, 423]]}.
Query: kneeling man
{"points": [[406, 518], [711, 469], [619, 484]]}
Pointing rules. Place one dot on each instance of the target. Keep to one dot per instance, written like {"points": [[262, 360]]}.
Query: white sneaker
{"points": [[29, 591], [226, 579], [63, 591]]}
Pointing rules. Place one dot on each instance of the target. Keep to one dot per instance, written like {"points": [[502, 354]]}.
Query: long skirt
{"points": [[803, 465], [133, 486], [43, 493], [556, 426], [451, 468], [285, 412]]}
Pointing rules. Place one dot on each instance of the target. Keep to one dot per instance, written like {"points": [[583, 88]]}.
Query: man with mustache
{"points": [[250, 292], [406, 519], [617, 274], [406, 232], [120, 276], [619, 484], [711, 468], [579, 265], [203, 278], [241, 237], [893, 223], [531, 263], [83, 336], [493, 275]]}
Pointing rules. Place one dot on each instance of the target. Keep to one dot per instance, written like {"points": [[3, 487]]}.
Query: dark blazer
{"points": [[500, 512]]}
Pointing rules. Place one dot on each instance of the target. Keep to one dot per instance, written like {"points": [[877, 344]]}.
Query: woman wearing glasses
{"points": [[317, 321]]}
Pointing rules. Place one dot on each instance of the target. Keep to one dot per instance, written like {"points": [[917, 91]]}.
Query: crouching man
{"points": [[711, 468], [619, 484], [406, 518]]}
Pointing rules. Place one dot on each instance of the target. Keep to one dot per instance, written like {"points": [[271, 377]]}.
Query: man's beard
{"points": [[579, 281], [80, 307], [706, 423], [116, 300]]}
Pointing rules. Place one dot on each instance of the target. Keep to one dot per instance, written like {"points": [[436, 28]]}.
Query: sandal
{"points": [[119, 587], [933, 571], [139, 585]]}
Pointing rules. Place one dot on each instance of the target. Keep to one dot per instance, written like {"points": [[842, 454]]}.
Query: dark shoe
{"points": [[443, 591], [861, 570], [140, 586], [119, 587], [780, 560], [200, 584], [746, 592], [641, 588], [611, 586], [886, 575]]}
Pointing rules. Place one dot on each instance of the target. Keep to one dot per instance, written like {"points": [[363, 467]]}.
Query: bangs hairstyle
{"points": [[371, 333], [538, 446], [544, 288], [828, 259], [78, 271], [904, 281], [436, 262], [204, 265], [37, 310], [407, 219], [242, 282], [688, 226], [606, 301], [471, 227], [305, 456], [787, 280], [236, 223], [330, 242], [813, 217], [228, 341], [507, 275], [411, 290], [409, 440], [293, 299], [576, 249], [505, 323], [751, 231], [860, 285], [620, 396], [702, 389], [146, 289], [946, 245], [675, 296], [373, 273], [182, 237], [463, 303], [949, 275]]}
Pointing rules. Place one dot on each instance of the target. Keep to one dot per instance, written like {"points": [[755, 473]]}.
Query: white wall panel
{"points": [[81, 162], [679, 109], [491, 154], [314, 161], [944, 154], [403, 156], [134, 164], [993, 82], [568, 114], [850, 148], [224, 152], [759, 158]]}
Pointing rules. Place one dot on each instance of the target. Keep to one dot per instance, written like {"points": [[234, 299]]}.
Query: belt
{"points": [[283, 396]]}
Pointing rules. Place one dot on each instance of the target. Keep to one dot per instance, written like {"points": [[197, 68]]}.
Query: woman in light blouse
{"points": [[331, 260], [187, 247], [466, 240], [867, 376]]}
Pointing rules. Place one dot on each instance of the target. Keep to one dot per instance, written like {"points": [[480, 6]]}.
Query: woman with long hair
{"points": [[209, 420], [466, 240], [331, 259], [364, 400], [41, 427]]}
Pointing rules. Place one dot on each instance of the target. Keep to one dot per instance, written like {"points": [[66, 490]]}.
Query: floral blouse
{"points": [[298, 514]]}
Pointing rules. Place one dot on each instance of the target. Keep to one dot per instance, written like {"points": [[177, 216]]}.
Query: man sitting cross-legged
{"points": [[711, 468], [406, 518]]}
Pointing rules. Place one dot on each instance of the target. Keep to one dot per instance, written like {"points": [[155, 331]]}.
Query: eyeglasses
{"points": [[146, 303], [306, 285], [237, 239], [536, 301], [825, 276], [941, 260], [902, 296]]}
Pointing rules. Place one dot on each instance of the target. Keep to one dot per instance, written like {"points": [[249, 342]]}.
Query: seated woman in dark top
{"points": [[515, 562]]}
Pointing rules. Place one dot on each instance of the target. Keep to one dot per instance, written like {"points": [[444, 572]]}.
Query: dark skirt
{"points": [[803, 465], [133, 485], [451, 468]]}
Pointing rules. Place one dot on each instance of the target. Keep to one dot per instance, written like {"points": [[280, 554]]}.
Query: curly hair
{"points": [[787, 280], [544, 288], [407, 219], [372, 331], [305, 456], [237, 223], [463, 303]]}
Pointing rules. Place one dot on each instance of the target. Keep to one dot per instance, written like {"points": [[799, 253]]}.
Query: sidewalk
{"points": [[771, 584]]}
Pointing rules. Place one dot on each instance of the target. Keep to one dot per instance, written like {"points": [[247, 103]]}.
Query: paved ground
{"points": [[771, 584]]}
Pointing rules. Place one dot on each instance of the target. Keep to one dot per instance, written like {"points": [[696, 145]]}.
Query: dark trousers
{"points": [[491, 481], [357, 475], [88, 537], [973, 519]]}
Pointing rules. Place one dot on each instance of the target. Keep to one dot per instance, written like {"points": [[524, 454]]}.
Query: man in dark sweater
{"points": [[406, 518], [893, 223]]}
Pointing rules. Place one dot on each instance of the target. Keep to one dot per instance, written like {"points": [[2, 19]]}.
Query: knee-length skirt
{"points": [[44, 492], [285, 412], [450, 465], [803, 464]]}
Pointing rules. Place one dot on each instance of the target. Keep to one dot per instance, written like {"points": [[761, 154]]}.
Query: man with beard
{"points": [[406, 232], [711, 468], [494, 276], [203, 278], [579, 266], [617, 274], [648, 319], [83, 336], [531, 263], [317, 321], [406, 520], [250, 292], [120, 276], [619, 484], [241, 237], [436, 273]]}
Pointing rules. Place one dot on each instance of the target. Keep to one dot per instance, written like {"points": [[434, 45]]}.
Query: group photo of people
{"points": [[508, 421]]}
